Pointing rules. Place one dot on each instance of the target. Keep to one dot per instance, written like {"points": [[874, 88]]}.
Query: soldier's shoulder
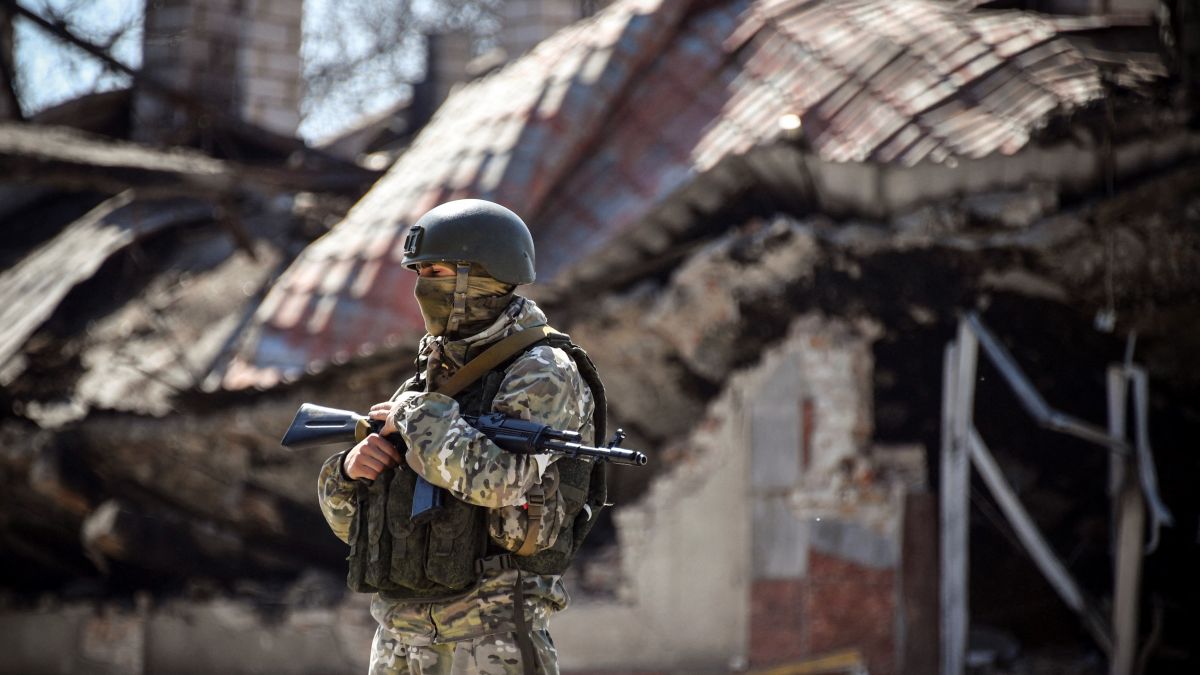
{"points": [[547, 356], [543, 361]]}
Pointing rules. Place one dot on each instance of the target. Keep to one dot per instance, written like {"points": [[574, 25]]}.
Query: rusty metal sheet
{"points": [[32, 289], [599, 125]]}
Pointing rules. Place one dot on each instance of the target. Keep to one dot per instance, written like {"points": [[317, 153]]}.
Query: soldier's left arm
{"points": [[543, 386]]}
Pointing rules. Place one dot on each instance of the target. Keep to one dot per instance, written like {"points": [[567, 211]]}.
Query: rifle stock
{"points": [[319, 425]]}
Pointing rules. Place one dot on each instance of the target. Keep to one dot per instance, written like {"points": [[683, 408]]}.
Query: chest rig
{"points": [[446, 556]]}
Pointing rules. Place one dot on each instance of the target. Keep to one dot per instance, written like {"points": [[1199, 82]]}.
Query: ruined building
{"points": [[764, 221]]}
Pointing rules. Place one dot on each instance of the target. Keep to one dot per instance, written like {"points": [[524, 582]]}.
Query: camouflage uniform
{"points": [[542, 385]]}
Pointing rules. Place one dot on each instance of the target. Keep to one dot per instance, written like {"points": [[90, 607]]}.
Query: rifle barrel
{"points": [[616, 455]]}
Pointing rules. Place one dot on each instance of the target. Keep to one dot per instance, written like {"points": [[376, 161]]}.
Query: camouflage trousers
{"points": [[488, 655]]}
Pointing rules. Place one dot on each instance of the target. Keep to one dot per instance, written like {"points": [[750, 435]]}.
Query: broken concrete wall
{"points": [[1046, 267], [778, 537], [684, 562], [826, 522]]}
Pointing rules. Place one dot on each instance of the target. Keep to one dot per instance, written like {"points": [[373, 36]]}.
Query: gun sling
{"points": [[492, 357]]}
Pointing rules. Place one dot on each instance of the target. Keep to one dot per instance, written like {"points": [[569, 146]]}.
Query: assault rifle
{"points": [[318, 425]]}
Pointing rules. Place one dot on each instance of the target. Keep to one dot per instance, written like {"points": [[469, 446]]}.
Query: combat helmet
{"points": [[477, 231]]}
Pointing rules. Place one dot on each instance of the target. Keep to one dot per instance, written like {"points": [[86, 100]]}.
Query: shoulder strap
{"points": [[492, 357]]}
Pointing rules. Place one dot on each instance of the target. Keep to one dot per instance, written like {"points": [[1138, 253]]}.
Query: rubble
{"points": [[177, 636]]}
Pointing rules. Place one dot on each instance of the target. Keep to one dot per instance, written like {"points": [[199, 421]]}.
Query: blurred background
{"points": [[901, 297]]}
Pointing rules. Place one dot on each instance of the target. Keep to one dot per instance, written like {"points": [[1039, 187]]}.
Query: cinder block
{"points": [[264, 103], [249, 62], [852, 541], [115, 641], [222, 22], [180, 639], [779, 548]]}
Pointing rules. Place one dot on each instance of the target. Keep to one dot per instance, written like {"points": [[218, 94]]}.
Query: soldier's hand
{"points": [[383, 411], [371, 457]]}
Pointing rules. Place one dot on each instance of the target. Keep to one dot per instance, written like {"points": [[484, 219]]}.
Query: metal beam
{"points": [[1037, 546], [1031, 400]]}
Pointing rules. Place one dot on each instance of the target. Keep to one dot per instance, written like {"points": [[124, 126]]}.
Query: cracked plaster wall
{"points": [[746, 507]]}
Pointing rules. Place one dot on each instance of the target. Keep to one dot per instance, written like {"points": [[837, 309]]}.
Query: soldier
{"points": [[468, 593]]}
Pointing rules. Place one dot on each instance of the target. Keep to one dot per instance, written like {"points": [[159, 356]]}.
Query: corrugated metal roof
{"points": [[602, 122], [32, 289]]}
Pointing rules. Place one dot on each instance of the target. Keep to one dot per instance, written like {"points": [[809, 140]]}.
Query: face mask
{"points": [[486, 298]]}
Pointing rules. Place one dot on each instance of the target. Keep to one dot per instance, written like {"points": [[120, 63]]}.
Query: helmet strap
{"points": [[459, 311]]}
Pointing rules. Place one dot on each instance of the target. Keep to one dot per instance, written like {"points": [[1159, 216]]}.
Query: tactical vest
{"points": [[445, 557]]}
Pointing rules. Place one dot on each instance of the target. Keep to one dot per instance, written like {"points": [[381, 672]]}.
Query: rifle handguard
{"points": [[529, 438]]}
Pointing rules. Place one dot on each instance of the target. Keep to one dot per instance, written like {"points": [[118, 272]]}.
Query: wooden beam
{"points": [[48, 477], [1129, 516], [76, 160], [1131, 509], [1118, 390], [957, 383]]}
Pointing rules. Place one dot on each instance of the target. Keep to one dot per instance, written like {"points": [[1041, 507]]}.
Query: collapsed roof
{"points": [[614, 132]]}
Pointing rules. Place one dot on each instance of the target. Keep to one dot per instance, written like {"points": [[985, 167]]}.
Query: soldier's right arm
{"points": [[335, 484], [336, 491]]}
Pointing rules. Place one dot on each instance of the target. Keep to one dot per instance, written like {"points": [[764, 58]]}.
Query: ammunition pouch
{"points": [[390, 553]]}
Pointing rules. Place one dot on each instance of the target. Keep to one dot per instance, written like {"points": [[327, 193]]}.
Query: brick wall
{"points": [[449, 53], [837, 605], [268, 64], [778, 631], [827, 528], [241, 56]]}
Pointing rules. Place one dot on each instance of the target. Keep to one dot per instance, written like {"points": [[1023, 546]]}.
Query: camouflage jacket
{"points": [[542, 385]]}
